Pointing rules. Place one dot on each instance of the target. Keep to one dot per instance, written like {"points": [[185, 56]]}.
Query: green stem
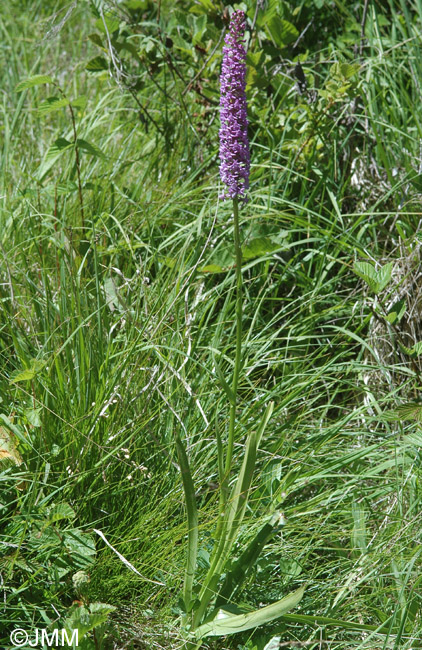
{"points": [[237, 358], [211, 580]]}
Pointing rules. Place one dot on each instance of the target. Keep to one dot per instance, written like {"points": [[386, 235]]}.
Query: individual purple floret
{"points": [[234, 143]]}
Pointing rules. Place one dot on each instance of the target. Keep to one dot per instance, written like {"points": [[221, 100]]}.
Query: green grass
{"points": [[118, 323]]}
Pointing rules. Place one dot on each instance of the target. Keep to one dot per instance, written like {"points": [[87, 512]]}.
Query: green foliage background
{"points": [[115, 295]]}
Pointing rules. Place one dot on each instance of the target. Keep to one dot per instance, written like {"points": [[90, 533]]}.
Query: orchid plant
{"points": [[205, 613]]}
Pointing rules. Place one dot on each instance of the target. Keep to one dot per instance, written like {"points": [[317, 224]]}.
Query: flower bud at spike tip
{"points": [[234, 143]]}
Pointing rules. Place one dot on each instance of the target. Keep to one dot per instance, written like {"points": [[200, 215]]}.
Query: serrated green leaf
{"points": [[36, 80], [89, 148], [86, 618], [281, 31], [80, 102], [33, 416], [258, 247], [224, 623], [396, 312], [111, 23], [61, 511], [22, 375], [417, 349], [96, 38], [376, 280], [409, 411], [367, 272], [52, 104], [384, 275], [58, 147], [97, 64]]}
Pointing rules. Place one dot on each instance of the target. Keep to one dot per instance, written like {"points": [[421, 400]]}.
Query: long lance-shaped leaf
{"points": [[239, 499], [228, 624], [192, 516], [236, 508], [236, 576], [319, 621]]}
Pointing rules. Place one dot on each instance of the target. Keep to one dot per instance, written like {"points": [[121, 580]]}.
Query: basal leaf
{"points": [[224, 623]]}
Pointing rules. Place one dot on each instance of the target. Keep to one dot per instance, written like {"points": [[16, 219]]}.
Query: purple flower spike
{"points": [[234, 143]]}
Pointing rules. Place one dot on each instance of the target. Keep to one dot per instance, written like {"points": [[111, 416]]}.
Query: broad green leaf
{"points": [[137, 4], [321, 621], [81, 544], [273, 644], [36, 80], [367, 272], [224, 623], [89, 148], [376, 280], [22, 375], [80, 102], [61, 511], [238, 499], [52, 104], [26, 374], [58, 147], [281, 31], [258, 247], [207, 6], [416, 180], [343, 71], [417, 348], [192, 517], [87, 617], [33, 416], [109, 23], [384, 275], [349, 69], [96, 38], [97, 64], [396, 312]]}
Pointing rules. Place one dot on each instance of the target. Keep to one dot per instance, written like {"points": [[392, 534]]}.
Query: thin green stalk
{"points": [[221, 532], [237, 358]]}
